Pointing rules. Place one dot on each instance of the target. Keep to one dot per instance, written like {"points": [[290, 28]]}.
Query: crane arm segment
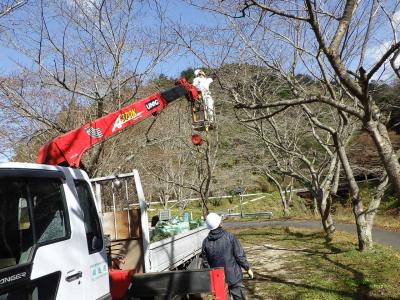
{"points": [[67, 149]]}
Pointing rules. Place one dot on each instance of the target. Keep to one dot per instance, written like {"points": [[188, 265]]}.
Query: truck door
{"points": [[39, 257], [93, 248]]}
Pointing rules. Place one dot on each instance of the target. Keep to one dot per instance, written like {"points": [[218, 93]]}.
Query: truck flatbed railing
{"points": [[164, 255]]}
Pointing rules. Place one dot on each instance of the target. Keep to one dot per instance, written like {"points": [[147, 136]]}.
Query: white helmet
{"points": [[213, 220], [197, 72]]}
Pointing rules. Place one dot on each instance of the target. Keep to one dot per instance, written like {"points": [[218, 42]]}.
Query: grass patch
{"points": [[303, 264]]}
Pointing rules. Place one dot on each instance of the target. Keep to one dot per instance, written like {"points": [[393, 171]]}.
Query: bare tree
{"points": [[8, 6], [292, 149], [340, 45], [198, 169], [280, 181], [95, 54], [328, 40], [169, 164], [339, 129], [284, 189]]}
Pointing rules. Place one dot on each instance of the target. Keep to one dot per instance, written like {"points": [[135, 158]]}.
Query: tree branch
{"points": [[393, 49]]}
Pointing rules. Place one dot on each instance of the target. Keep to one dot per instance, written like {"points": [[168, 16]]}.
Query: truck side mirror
{"points": [[97, 243]]}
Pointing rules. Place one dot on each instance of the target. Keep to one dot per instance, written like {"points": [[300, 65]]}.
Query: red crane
{"points": [[67, 149]]}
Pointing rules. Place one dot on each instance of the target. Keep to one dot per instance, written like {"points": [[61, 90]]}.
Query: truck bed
{"points": [[129, 232], [174, 251]]}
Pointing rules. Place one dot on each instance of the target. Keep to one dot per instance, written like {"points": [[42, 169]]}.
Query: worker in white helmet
{"points": [[202, 84], [222, 249]]}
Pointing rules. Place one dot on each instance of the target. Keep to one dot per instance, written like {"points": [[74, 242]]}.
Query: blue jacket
{"points": [[222, 249]]}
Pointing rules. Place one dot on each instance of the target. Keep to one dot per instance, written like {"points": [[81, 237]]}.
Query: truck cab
{"points": [[53, 245], [51, 239]]}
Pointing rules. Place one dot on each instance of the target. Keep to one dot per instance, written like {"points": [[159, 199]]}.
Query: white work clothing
{"points": [[202, 84]]}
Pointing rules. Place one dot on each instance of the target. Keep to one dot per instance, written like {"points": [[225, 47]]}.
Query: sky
{"points": [[176, 10], [187, 15]]}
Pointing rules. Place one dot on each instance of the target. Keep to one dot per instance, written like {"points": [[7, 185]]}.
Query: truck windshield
{"points": [[32, 212]]}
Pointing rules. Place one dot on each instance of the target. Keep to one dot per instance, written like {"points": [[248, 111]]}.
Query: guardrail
{"points": [[243, 215]]}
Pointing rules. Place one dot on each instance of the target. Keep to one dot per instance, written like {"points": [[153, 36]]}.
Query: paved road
{"points": [[380, 236]]}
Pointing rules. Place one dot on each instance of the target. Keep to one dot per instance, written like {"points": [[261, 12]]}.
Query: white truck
{"points": [[51, 235], [52, 225]]}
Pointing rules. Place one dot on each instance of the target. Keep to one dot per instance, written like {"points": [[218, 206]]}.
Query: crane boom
{"points": [[67, 149]]}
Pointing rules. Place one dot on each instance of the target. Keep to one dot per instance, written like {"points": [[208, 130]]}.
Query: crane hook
{"points": [[197, 140]]}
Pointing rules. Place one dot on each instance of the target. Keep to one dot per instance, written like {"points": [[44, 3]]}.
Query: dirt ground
{"points": [[268, 258], [268, 261]]}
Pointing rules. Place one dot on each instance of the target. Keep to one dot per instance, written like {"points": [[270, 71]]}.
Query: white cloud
{"points": [[396, 19], [87, 7], [374, 54]]}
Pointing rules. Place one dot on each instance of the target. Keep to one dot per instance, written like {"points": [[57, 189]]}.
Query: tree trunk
{"points": [[204, 207], [363, 231], [284, 193], [288, 196], [205, 211], [373, 208], [315, 205], [92, 169], [97, 151], [380, 136], [324, 208], [336, 179], [285, 203]]}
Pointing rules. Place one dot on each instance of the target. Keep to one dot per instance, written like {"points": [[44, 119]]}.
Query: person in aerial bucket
{"points": [[202, 84]]}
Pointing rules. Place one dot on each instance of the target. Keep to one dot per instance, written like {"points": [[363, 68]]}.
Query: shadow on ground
{"points": [[324, 251]]}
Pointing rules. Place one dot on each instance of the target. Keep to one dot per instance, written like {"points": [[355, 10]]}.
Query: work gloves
{"points": [[251, 274]]}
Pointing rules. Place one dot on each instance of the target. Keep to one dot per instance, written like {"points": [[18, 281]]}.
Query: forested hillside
{"points": [[170, 165]]}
